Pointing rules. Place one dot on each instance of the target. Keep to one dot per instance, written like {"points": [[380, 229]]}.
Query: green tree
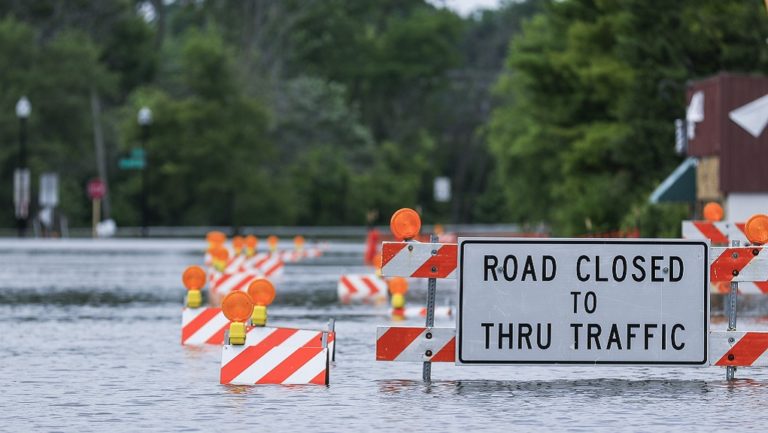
{"points": [[58, 77], [208, 153], [584, 127]]}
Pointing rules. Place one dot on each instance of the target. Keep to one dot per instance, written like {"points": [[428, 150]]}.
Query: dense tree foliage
{"points": [[319, 112], [584, 129]]}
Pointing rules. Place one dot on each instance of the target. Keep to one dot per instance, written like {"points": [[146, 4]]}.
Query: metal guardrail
{"points": [[313, 232]]}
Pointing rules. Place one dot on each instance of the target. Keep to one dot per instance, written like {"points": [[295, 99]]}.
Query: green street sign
{"points": [[134, 162], [131, 164]]}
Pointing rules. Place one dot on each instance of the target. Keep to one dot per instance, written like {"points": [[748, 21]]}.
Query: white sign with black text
{"points": [[582, 301]]}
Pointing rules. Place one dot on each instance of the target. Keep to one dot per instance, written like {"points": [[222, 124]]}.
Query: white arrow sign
{"points": [[753, 117]]}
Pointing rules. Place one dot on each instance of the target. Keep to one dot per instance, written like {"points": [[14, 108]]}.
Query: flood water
{"points": [[89, 341]]}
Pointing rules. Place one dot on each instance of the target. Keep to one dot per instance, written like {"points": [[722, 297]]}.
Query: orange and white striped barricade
{"points": [[738, 348], [313, 253], [718, 233], [223, 283], [419, 260], [411, 312], [415, 344], [271, 265], [747, 266], [295, 256], [204, 325], [430, 260], [278, 356], [362, 288], [290, 256], [235, 264], [742, 268]]}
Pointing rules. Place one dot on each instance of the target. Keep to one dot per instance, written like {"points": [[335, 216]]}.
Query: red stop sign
{"points": [[96, 189]]}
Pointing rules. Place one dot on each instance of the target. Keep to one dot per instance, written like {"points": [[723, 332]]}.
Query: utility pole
{"points": [[21, 177]]}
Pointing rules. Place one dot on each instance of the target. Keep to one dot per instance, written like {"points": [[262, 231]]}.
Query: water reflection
{"points": [[589, 388]]}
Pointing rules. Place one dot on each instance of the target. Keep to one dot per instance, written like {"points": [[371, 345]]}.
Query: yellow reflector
{"points": [[259, 316], [237, 333], [194, 299], [398, 300]]}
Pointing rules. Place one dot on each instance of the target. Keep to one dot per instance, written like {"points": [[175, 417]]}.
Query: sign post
{"points": [[730, 371], [96, 190], [426, 374], [573, 301]]}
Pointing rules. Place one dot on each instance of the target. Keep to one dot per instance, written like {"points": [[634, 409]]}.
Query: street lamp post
{"points": [[21, 177], [145, 119]]}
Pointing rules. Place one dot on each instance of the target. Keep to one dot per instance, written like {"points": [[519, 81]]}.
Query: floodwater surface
{"points": [[89, 341]]}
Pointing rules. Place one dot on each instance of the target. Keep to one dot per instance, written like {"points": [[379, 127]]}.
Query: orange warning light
{"points": [[713, 212], [237, 306], [272, 241], [756, 229], [251, 241], [262, 292], [220, 253], [405, 223], [238, 242], [193, 278], [298, 241], [398, 286], [216, 237]]}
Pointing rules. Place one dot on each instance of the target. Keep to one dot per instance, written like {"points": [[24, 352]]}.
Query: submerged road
{"points": [[89, 341]]}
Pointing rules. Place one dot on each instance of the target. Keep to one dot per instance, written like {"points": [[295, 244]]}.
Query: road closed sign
{"points": [[573, 301]]}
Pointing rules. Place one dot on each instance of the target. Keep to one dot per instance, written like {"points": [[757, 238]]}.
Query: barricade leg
{"points": [[730, 371]]}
